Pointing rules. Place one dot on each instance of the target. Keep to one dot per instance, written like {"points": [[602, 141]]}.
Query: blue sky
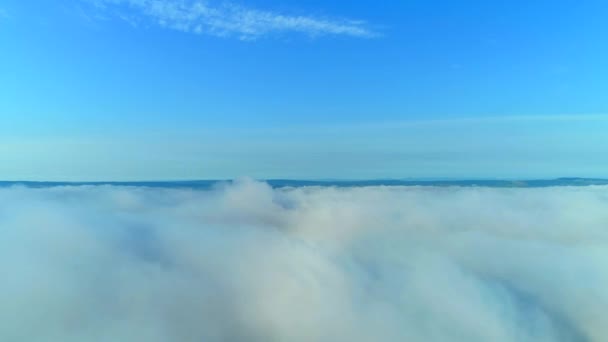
{"points": [[162, 89]]}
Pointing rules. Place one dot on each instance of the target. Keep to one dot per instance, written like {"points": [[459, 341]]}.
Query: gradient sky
{"points": [[162, 89]]}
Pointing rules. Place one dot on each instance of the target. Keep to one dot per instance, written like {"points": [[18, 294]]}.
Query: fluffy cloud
{"points": [[229, 19], [245, 262]]}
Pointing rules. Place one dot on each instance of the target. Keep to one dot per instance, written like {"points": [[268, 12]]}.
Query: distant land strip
{"points": [[283, 183]]}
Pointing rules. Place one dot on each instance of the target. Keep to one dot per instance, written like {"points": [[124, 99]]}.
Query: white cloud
{"points": [[229, 19], [245, 262]]}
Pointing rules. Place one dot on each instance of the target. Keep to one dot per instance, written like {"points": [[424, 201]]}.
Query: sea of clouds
{"points": [[245, 262]]}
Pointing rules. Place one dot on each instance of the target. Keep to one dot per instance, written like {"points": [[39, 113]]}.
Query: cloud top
{"points": [[226, 19], [245, 262]]}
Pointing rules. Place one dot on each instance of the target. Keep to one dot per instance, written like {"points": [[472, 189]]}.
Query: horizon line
{"points": [[303, 180]]}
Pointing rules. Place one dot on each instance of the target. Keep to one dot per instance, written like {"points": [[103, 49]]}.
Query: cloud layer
{"points": [[228, 19], [245, 262]]}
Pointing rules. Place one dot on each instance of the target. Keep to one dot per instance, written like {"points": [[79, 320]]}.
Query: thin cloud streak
{"points": [[227, 19]]}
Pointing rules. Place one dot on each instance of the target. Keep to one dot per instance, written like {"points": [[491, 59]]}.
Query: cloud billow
{"points": [[226, 19], [245, 262]]}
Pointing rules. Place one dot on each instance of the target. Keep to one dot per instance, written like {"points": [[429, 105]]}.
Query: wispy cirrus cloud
{"points": [[227, 19]]}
